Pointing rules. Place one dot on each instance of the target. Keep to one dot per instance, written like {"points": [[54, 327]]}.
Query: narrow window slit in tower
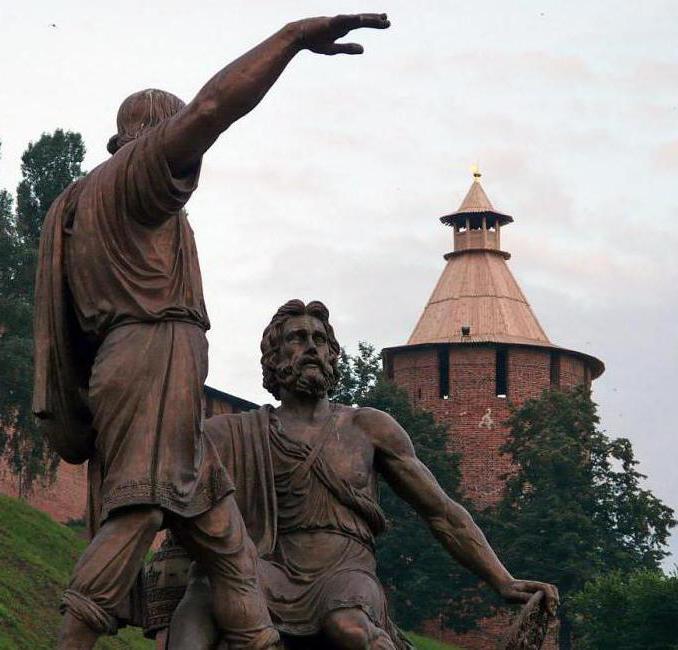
{"points": [[555, 369], [501, 372], [388, 367], [444, 373]]}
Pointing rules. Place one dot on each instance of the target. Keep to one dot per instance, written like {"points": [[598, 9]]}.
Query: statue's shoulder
{"points": [[222, 421], [381, 429], [226, 421], [370, 414], [369, 419]]}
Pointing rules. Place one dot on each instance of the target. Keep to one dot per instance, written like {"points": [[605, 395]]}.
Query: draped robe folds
{"points": [[121, 352], [314, 539]]}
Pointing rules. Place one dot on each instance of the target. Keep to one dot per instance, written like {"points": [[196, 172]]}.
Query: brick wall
{"points": [[475, 417], [64, 500], [474, 414]]}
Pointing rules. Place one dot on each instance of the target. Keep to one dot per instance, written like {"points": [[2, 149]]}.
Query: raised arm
{"points": [[451, 524], [236, 89]]}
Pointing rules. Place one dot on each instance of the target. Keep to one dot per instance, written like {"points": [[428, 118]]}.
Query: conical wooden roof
{"points": [[477, 291]]}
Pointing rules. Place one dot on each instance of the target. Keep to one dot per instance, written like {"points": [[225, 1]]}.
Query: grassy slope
{"points": [[36, 558], [423, 643]]}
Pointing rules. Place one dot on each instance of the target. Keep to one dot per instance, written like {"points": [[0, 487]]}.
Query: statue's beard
{"points": [[308, 376]]}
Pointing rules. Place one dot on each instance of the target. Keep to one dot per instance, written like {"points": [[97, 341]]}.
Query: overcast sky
{"points": [[332, 187]]}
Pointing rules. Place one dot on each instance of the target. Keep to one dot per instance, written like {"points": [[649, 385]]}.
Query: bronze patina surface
{"points": [[306, 476], [121, 353]]}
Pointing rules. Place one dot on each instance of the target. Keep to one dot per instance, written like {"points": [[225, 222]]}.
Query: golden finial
{"points": [[475, 170]]}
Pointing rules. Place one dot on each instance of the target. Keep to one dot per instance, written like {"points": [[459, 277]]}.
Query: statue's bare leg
{"points": [[193, 625], [351, 628], [219, 543], [76, 634]]}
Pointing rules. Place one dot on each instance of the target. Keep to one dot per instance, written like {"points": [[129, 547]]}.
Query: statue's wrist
{"points": [[501, 582], [294, 35]]}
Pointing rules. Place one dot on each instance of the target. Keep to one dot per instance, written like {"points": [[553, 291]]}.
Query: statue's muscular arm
{"points": [[451, 523], [236, 89]]}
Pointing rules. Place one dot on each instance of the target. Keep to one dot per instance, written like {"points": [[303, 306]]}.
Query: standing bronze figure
{"points": [[306, 476], [121, 353]]}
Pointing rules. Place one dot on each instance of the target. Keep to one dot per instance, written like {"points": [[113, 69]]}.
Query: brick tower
{"points": [[476, 347], [479, 345]]}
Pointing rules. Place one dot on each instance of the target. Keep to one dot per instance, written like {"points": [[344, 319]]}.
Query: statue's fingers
{"points": [[344, 23], [345, 48], [516, 596], [552, 599], [532, 586], [374, 21]]}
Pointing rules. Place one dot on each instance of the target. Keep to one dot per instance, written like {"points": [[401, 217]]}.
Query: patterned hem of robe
{"points": [[164, 496]]}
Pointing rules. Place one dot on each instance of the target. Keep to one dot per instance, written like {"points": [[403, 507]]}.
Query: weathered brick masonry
{"points": [[474, 414], [63, 500]]}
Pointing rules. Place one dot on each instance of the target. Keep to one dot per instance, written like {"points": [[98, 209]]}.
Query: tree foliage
{"points": [[634, 611], [575, 509], [422, 581], [48, 166]]}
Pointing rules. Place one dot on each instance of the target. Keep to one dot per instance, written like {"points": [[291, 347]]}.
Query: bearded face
{"points": [[305, 359]]}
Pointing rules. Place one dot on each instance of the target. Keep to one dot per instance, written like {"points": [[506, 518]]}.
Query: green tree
{"points": [[48, 166], [422, 581], [359, 374], [575, 508], [636, 611]]}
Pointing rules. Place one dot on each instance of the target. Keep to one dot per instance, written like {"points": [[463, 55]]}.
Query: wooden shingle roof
{"points": [[476, 202], [477, 291]]}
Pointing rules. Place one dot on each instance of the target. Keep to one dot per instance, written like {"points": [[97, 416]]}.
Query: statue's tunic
{"points": [[132, 270], [324, 557]]}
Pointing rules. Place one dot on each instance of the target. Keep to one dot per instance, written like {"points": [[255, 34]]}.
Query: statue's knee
{"points": [[347, 629], [144, 520]]}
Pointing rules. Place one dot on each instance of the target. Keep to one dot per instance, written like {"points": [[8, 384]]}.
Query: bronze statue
{"points": [[121, 353], [306, 483]]}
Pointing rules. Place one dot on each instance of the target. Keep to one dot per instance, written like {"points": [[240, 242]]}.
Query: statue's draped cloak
{"points": [[120, 334], [242, 442], [61, 373]]}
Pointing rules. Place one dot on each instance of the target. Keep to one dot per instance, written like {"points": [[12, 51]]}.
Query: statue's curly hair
{"points": [[272, 340]]}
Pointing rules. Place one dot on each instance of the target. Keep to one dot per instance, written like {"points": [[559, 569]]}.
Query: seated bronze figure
{"points": [[306, 484]]}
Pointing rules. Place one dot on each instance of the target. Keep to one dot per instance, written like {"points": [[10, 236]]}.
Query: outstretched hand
{"points": [[520, 591], [319, 34]]}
